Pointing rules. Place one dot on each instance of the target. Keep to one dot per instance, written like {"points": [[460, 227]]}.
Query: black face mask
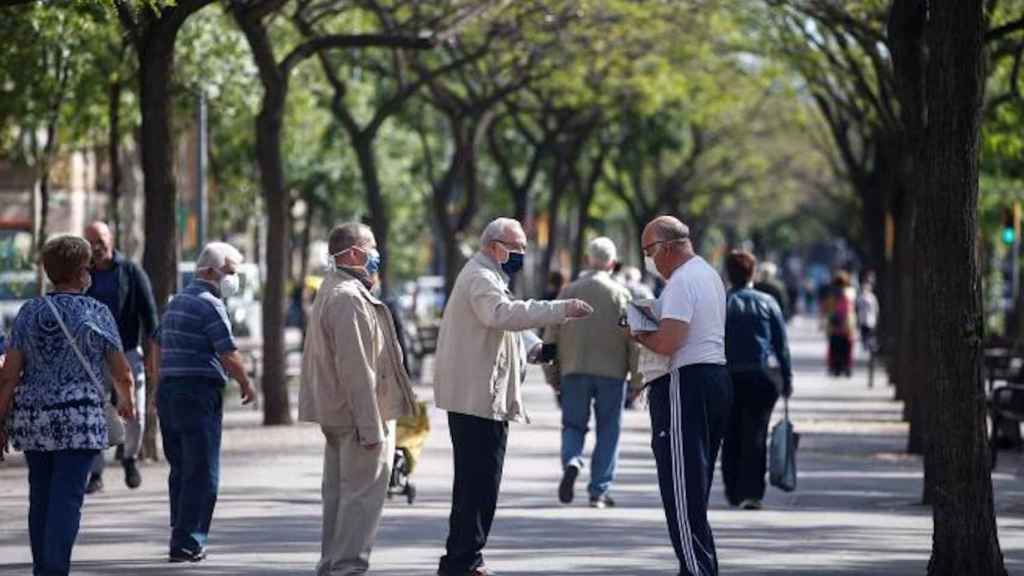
{"points": [[514, 263]]}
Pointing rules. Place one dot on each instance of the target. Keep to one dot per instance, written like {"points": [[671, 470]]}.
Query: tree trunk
{"points": [[559, 180], [380, 222], [276, 403], [154, 36], [965, 540], [114, 157]]}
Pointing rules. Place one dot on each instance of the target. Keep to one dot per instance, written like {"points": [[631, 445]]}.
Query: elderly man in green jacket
{"points": [[594, 357], [479, 368], [355, 386]]}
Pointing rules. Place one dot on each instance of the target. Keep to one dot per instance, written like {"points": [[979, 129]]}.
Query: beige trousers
{"points": [[355, 484]]}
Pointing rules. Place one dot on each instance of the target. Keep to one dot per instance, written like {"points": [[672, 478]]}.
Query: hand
{"points": [[576, 308], [247, 393], [125, 407]]}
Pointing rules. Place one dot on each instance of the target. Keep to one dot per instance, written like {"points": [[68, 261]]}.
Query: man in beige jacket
{"points": [[594, 357], [479, 368], [354, 385]]}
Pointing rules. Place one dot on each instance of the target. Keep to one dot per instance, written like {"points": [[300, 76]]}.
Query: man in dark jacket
{"points": [[124, 287]]}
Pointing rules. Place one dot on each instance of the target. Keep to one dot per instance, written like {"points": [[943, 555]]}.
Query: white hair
{"points": [[216, 255], [768, 270], [602, 251], [498, 229]]}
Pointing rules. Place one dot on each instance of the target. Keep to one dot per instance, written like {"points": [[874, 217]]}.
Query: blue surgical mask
{"points": [[373, 262], [514, 263]]}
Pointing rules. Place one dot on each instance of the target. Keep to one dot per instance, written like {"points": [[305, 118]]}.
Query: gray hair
{"points": [[498, 229], [602, 251], [216, 255], [668, 228], [347, 235]]}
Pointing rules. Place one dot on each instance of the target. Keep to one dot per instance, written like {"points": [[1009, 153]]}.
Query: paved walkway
{"points": [[854, 511]]}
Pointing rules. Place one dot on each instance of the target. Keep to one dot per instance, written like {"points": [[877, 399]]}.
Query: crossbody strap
{"points": [[74, 346]]}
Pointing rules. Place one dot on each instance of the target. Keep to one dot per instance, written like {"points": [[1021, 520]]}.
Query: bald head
{"points": [[666, 229], [101, 242], [667, 241]]}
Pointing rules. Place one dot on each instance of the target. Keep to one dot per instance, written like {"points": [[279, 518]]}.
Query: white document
{"points": [[642, 315]]}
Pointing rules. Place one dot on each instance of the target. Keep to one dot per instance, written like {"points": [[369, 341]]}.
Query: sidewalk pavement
{"points": [[855, 511]]}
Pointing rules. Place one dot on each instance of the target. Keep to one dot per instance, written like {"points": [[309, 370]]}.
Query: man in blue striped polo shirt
{"points": [[197, 355]]}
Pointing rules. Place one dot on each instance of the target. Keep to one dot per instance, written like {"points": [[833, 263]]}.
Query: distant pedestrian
{"points": [[61, 346], [123, 286], [689, 406], [867, 312], [479, 370], [632, 280], [768, 282], [197, 355], [594, 358], [757, 355], [354, 385], [840, 321], [556, 282]]}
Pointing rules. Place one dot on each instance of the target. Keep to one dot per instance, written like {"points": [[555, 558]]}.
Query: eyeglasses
{"points": [[657, 242], [512, 247]]}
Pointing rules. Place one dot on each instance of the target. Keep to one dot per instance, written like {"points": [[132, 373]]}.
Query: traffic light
{"points": [[1011, 225]]}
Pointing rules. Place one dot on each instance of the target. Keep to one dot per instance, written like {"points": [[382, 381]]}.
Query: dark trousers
{"points": [[689, 414], [745, 447], [478, 448], [56, 488], [840, 354], [190, 413]]}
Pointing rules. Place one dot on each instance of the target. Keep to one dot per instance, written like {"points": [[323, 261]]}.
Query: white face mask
{"points": [[651, 267], [229, 285]]}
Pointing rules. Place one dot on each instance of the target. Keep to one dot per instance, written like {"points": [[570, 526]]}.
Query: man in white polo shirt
{"points": [[690, 405]]}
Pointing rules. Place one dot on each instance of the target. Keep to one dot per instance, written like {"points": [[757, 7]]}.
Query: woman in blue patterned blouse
{"points": [[57, 417]]}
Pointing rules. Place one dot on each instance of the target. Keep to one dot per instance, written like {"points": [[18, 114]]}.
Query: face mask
{"points": [[229, 285], [372, 265], [514, 263], [651, 267], [373, 262]]}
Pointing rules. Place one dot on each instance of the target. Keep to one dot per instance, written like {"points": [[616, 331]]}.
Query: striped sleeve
{"points": [[217, 326]]}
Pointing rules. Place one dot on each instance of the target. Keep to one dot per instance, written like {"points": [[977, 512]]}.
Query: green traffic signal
{"points": [[1009, 236]]}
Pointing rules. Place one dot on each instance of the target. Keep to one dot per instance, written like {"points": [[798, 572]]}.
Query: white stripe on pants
{"points": [[355, 484], [679, 474]]}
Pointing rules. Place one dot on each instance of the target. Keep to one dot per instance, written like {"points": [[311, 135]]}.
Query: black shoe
{"points": [[602, 501], [182, 555], [567, 485], [95, 484], [132, 478]]}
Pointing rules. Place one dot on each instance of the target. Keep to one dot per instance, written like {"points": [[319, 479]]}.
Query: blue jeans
{"points": [[191, 412], [56, 483], [607, 396]]}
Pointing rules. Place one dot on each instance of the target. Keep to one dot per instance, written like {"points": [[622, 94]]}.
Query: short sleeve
{"points": [[678, 299], [217, 327], [105, 325]]}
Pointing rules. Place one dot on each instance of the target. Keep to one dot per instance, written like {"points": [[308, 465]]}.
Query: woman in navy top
{"points": [[58, 418], [757, 356]]}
